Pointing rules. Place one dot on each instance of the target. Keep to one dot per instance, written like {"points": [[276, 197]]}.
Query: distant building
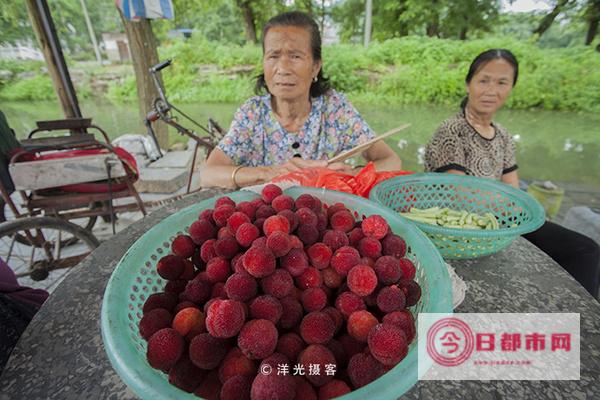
{"points": [[20, 51], [116, 46]]}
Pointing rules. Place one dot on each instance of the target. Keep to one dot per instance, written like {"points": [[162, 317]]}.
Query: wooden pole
{"points": [[43, 26], [142, 45], [90, 27], [368, 17]]}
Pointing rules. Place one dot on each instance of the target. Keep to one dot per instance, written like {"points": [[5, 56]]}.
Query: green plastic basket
{"points": [[135, 278], [516, 211]]}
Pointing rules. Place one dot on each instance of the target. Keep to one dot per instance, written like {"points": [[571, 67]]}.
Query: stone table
{"points": [[61, 355]]}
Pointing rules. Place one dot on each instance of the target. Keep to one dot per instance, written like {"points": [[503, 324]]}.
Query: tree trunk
{"points": [[549, 18], [463, 33], [433, 29], [43, 26], [402, 27], [248, 15], [433, 26], [593, 17], [592, 31], [142, 45]]}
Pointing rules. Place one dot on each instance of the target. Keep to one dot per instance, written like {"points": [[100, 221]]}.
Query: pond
{"points": [[557, 146]]}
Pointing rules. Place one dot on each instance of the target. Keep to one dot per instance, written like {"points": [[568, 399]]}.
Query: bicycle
{"points": [[162, 110]]}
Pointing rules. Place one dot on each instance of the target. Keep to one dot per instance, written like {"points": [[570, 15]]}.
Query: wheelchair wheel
{"points": [[86, 223], [42, 250]]}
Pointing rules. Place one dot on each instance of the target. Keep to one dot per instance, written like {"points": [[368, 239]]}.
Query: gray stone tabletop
{"points": [[61, 354]]}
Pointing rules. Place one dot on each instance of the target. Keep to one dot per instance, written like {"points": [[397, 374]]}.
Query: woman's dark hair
{"points": [[300, 20], [482, 59]]}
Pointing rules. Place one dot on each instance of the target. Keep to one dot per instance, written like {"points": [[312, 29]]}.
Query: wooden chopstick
{"points": [[347, 154]]}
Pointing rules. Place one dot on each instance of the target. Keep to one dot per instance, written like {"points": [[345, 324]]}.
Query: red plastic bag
{"points": [[359, 184]]}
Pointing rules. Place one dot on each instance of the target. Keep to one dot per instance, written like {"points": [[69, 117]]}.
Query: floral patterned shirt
{"points": [[256, 138]]}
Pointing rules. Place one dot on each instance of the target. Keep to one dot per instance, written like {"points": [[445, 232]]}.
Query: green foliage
{"points": [[14, 22], [216, 20], [37, 88], [213, 89], [343, 65], [397, 18], [350, 15], [125, 91], [20, 66], [407, 70], [68, 20], [568, 30], [187, 54]]}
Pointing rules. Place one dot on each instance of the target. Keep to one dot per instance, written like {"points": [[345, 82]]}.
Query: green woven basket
{"points": [[516, 211], [135, 278]]}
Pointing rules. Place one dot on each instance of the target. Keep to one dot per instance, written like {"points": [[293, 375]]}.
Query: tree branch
{"points": [[549, 18]]}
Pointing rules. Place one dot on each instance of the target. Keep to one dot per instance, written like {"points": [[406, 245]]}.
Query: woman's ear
{"points": [[317, 67]]}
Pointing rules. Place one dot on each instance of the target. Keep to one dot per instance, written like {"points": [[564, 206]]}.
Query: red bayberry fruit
{"points": [[387, 343], [259, 261], [183, 246], [375, 226], [270, 192], [153, 321], [165, 348], [258, 339], [362, 280]]}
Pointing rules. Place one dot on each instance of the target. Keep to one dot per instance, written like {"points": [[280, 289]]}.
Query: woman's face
{"points": [[490, 86], [288, 62]]}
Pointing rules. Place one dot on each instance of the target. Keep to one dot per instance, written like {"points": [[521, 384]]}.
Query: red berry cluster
{"points": [[277, 281]]}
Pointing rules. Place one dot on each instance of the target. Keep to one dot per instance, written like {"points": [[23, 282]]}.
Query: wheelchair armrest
{"points": [[64, 124], [58, 142]]}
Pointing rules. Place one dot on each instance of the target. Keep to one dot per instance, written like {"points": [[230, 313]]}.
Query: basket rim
{"points": [[119, 348], [534, 207]]}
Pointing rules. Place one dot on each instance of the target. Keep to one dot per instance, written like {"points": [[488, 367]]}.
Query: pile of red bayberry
{"points": [[278, 298]]}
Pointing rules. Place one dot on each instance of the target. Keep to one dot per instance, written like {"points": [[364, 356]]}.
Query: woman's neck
{"points": [[291, 114], [481, 122]]}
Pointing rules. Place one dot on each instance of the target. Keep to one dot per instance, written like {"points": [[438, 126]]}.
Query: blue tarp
{"points": [[150, 9]]}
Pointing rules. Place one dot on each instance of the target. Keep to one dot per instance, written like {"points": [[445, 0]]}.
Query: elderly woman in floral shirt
{"points": [[300, 122]]}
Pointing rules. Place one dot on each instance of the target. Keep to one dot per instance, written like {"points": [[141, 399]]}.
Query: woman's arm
{"points": [[455, 171], [383, 156], [218, 171], [511, 178]]}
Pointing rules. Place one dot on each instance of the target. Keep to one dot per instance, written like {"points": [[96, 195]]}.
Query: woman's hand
{"points": [[300, 163], [342, 167], [297, 163], [292, 165]]}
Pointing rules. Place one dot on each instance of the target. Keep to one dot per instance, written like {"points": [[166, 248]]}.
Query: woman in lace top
{"points": [[471, 143]]}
